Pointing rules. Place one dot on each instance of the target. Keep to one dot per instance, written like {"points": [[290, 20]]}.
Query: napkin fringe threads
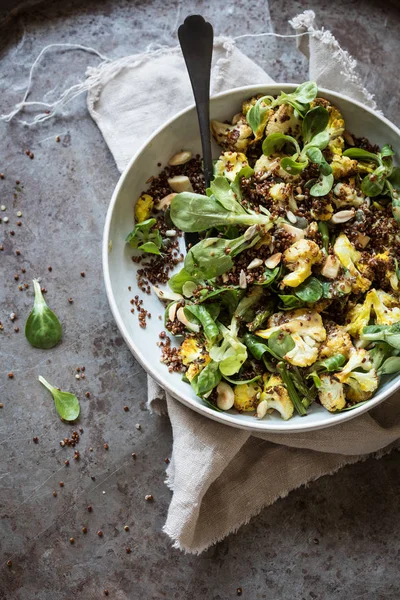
{"points": [[97, 77]]}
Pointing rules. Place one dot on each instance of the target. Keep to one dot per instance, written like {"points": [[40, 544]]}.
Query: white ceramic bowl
{"points": [[181, 132]]}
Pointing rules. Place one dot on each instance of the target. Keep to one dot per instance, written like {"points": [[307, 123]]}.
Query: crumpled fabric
{"points": [[220, 477]]}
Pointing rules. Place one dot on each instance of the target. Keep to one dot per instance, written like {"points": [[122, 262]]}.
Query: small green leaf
{"points": [[67, 404], [315, 121], [223, 192], [310, 290], [276, 141], [201, 313], [42, 328], [395, 178], [390, 366], [372, 185], [149, 247], [269, 276], [316, 156], [360, 154], [292, 166], [289, 301], [240, 382], [323, 186], [236, 184], [386, 151], [280, 343]]}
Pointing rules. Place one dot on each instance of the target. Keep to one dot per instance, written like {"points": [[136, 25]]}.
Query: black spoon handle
{"points": [[196, 40]]}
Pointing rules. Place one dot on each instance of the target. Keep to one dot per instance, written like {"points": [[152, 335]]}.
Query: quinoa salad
{"points": [[288, 292]]}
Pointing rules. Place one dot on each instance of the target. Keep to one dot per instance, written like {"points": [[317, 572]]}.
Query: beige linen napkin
{"points": [[220, 476]]}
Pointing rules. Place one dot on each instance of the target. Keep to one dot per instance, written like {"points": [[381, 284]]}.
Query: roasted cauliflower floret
{"points": [[331, 393], [235, 138], [337, 341], [275, 397], [299, 258], [193, 355], [247, 396], [386, 307], [346, 195], [271, 165], [306, 329], [343, 166], [229, 164], [284, 121], [280, 192], [143, 208], [362, 383], [349, 257]]}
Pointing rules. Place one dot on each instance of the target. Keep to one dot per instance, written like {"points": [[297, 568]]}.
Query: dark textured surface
{"points": [[339, 537]]}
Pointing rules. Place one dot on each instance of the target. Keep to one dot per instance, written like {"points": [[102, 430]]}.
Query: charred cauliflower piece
{"points": [[229, 164], [331, 393], [343, 166], [306, 329], [359, 375], [275, 397], [193, 355], [247, 396], [346, 195], [299, 258], [271, 165], [349, 257], [235, 138], [337, 341], [284, 121]]}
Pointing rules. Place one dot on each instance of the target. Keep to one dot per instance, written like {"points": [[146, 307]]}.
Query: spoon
{"points": [[196, 40]]}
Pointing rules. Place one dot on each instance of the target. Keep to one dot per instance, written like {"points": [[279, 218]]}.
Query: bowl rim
{"points": [[223, 417]]}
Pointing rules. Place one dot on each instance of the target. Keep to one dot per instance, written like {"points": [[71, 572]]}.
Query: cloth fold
{"points": [[221, 477]]}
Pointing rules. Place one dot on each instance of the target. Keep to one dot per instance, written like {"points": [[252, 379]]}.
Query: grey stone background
{"points": [[337, 538]]}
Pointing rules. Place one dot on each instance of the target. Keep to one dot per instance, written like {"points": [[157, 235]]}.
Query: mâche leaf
{"points": [[42, 328], [67, 404]]}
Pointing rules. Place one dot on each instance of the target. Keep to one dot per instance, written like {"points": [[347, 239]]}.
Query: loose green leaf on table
{"points": [[42, 328], [67, 404]]}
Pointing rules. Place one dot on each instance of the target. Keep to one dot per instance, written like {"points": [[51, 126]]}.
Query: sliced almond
{"points": [[349, 138], [236, 118], [256, 262], [180, 315], [331, 267], [180, 183], [273, 261], [343, 216], [363, 240], [242, 280], [166, 294], [250, 232], [297, 233], [172, 311], [292, 218], [165, 202], [180, 158]]}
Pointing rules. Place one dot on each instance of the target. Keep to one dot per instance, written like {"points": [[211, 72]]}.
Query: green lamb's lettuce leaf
{"points": [[315, 121], [383, 333], [203, 316], [194, 213], [145, 237]]}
